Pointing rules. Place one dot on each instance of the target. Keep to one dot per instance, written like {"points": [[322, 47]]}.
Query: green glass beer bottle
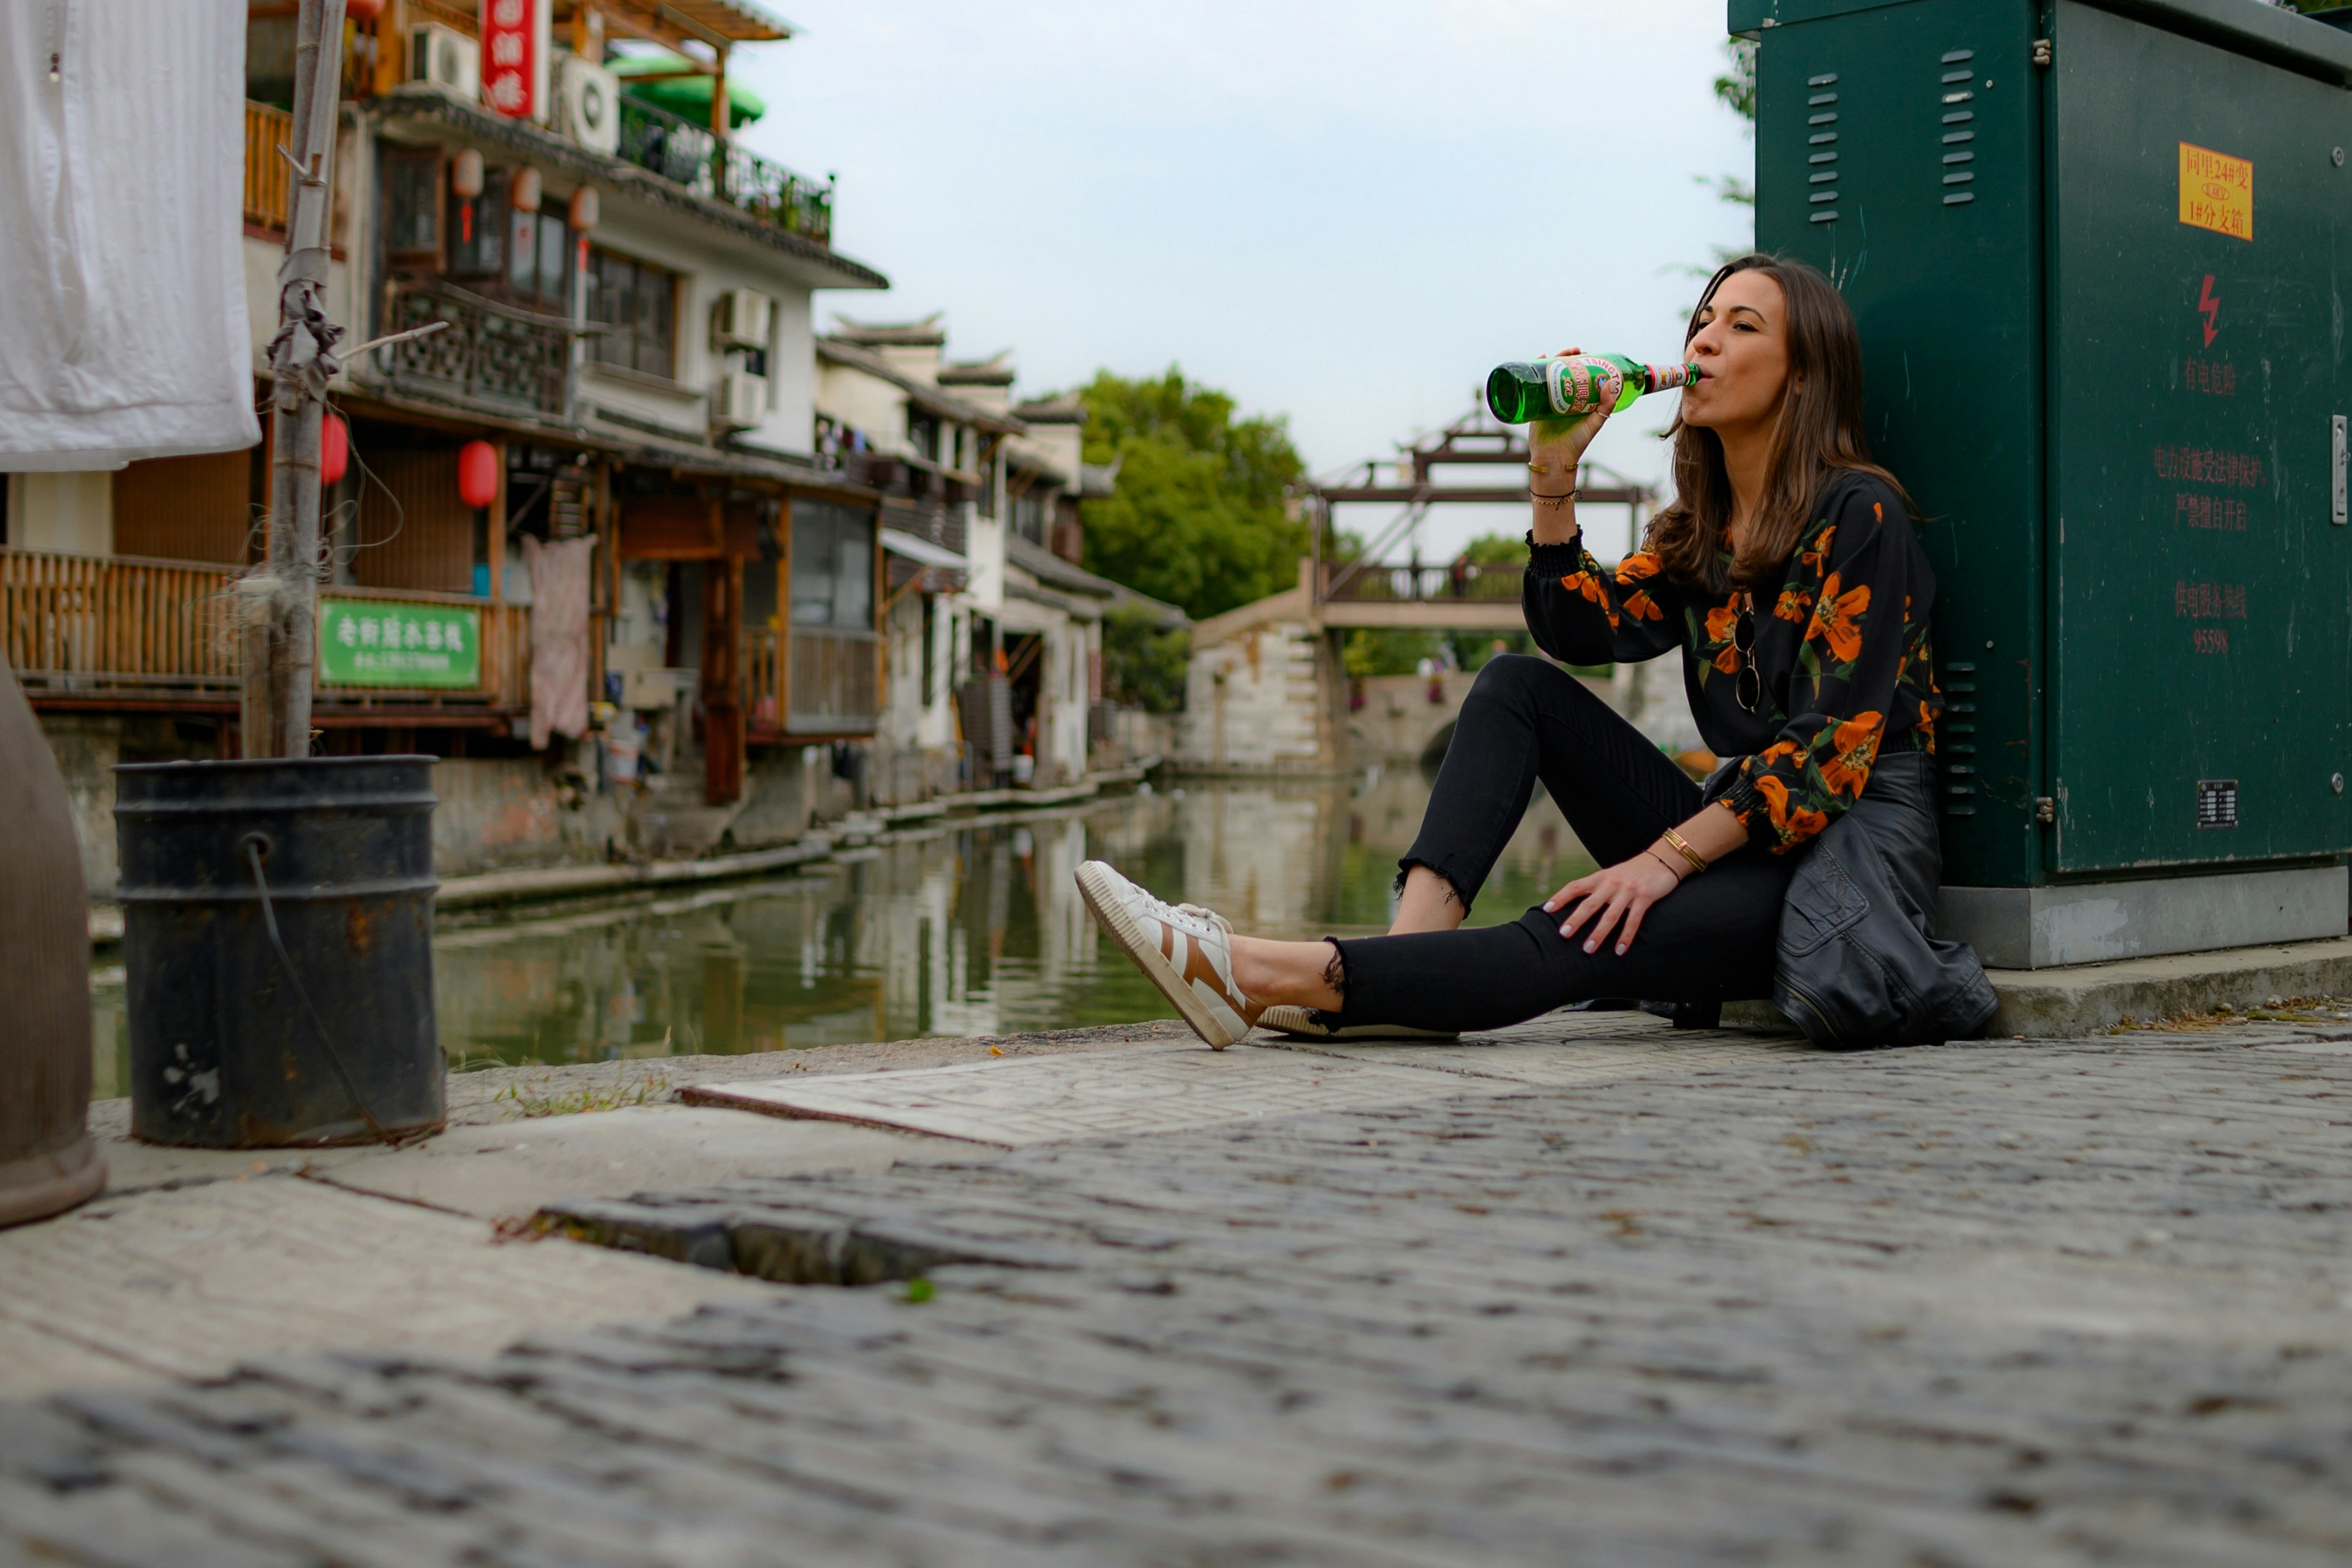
{"points": [[1568, 386]]}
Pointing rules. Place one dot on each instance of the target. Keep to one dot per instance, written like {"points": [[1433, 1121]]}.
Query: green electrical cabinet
{"points": [[2100, 257]]}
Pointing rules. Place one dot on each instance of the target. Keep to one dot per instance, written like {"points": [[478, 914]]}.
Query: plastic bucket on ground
{"points": [[47, 1160], [323, 1034]]}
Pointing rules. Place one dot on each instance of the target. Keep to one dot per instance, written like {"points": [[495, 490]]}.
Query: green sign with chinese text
{"points": [[372, 642]]}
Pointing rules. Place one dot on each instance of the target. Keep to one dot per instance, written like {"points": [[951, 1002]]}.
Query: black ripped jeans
{"points": [[1711, 940]]}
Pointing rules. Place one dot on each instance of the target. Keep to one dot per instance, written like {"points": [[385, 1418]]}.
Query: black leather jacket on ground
{"points": [[1857, 964]]}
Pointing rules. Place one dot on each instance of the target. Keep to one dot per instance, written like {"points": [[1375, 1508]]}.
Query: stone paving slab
{"points": [[514, 1168], [1986, 1305], [189, 1282], [1138, 1090], [1173, 1085]]}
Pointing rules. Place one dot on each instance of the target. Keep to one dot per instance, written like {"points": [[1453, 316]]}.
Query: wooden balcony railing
{"points": [[130, 628], [835, 678], [491, 354], [265, 173], [1421, 585]]}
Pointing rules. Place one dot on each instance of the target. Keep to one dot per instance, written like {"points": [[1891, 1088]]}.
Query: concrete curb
{"points": [[2068, 1002], [2084, 999]]}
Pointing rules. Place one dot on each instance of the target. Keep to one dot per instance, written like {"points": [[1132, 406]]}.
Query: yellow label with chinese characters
{"points": [[2217, 191]]}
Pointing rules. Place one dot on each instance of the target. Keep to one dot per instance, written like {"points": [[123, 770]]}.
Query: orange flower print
{"points": [[1853, 747], [1636, 569], [1794, 824], [1926, 725], [1795, 604], [1719, 623], [1642, 608], [1584, 582], [1837, 620], [1817, 559]]}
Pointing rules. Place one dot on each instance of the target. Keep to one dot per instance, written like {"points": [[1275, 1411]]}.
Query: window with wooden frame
{"points": [[636, 303], [539, 262], [411, 206], [478, 229], [833, 566]]}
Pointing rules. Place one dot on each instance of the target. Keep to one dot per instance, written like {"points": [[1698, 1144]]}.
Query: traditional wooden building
{"points": [[629, 357]]}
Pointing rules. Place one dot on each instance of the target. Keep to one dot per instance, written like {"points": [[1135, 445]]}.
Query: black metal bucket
{"points": [[277, 931]]}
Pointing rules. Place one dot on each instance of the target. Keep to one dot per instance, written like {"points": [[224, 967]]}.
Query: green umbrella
{"points": [[688, 97]]}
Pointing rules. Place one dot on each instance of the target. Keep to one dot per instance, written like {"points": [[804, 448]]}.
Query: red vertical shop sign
{"points": [[508, 72]]}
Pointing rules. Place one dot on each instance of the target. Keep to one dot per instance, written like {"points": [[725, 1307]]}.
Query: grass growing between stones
{"points": [[646, 1090], [2275, 1010]]}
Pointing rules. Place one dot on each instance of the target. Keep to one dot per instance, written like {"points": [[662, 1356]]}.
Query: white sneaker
{"points": [[1312, 1024], [1184, 948]]}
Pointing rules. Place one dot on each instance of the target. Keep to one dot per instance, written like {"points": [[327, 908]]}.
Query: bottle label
{"points": [[1578, 384]]}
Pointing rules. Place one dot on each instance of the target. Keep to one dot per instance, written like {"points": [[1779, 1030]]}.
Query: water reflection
{"points": [[973, 930]]}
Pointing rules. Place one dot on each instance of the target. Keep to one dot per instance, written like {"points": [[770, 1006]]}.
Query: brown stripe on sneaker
{"points": [[1198, 967]]}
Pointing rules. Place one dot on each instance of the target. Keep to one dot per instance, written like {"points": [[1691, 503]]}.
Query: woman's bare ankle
{"points": [[1291, 973], [1427, 902]]}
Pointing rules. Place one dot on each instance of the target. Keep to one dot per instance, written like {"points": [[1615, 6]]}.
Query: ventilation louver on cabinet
{"points": [[1821, 142], [1955, 91]]}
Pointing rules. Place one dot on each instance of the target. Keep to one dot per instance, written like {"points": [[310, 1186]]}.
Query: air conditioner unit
{"points": [[741, 317], [589, 105], [444, 58], [741, 400]]}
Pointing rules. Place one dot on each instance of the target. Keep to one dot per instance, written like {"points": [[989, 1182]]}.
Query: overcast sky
{"points": [[1342, 213]]}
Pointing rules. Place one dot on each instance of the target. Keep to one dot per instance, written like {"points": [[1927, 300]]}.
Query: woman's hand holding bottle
{"points": [[1555, 447]]}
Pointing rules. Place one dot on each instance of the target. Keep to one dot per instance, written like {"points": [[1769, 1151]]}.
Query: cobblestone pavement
{"points": [[1995, 1303]]}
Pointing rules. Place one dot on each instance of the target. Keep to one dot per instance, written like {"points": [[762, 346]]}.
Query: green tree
{"points": [[1143, 661], [1197, 516], [1736, 90], [1737, 86], [1473, 650], [1368, 651]]}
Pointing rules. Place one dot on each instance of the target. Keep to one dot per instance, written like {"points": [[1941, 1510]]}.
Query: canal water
{"points": [[974, 929]]}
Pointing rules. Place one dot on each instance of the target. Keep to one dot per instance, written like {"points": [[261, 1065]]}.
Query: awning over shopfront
{"points": [[922, 549]]}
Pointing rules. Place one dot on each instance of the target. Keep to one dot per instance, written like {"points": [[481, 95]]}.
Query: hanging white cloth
{"points": [[123, 332], [559, 635]]}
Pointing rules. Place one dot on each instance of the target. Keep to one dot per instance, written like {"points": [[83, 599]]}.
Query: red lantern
{"points": [[477, 473], [334, 448], [362, 11]]}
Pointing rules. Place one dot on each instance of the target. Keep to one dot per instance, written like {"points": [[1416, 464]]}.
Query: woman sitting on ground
{"points": [[1786, 574]]}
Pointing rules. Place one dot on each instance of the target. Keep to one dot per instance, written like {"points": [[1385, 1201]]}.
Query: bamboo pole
{"points": [[279, 608]]}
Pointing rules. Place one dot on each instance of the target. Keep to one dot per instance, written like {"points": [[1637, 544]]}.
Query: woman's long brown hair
{"points": [[1819, 434]]}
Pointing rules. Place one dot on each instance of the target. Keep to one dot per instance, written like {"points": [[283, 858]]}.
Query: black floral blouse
{"points": [[1842, 650]]}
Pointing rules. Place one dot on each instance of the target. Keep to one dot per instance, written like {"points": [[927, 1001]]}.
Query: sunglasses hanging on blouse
{"points": [[1750, 686]]}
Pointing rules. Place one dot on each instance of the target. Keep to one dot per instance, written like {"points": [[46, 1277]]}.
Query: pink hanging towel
{"points": [[559, 635]]}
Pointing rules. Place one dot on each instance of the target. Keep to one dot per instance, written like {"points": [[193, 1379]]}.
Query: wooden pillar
{"points": [[718, 115], [605, 574], [495, 544], [722, 682], [785, 614]]}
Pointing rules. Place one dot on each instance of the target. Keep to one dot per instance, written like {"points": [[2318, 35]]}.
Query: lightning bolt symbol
{"points": [[2209, 308]]}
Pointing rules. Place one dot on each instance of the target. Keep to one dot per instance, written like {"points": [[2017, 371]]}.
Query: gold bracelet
{"points": [[1681, 847]]}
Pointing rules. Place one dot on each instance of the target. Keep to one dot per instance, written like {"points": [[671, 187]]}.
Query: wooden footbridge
{"points": [[1370, 590], [1266, 690]]}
